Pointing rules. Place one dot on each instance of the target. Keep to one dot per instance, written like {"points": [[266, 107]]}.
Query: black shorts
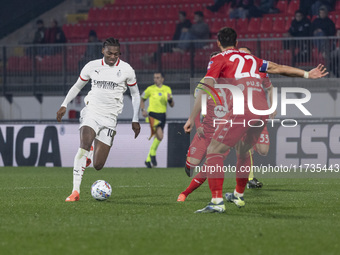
{"points": [[161, 117]]}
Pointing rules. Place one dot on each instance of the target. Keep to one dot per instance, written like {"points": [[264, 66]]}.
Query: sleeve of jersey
{"points": [[85, 73], [131, 80], [134, 91], [262, 64], [214, 68], [73, 92]]}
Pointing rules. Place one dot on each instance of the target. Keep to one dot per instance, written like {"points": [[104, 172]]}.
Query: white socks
{"points": [[79, 168], [217, 200], [236, 194]]}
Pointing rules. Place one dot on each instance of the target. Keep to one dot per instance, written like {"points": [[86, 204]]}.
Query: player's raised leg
{"points": [[87, 135], [196, 153], [196, 182], [100, 154]]}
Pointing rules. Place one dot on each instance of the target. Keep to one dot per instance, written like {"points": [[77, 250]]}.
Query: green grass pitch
{"points": [[287, 216]]}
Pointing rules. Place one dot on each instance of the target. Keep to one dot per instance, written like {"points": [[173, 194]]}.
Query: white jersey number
{"points": [[239, 69]]}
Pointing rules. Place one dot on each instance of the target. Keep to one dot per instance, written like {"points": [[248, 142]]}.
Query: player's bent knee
{"points": [[262, 150], [98, 166]]}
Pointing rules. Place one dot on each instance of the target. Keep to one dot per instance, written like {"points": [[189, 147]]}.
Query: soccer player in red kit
{"points": [[205, 131], [240, 69]]}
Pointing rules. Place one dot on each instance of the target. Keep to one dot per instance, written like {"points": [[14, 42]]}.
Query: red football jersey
{"points": [[242, 70]]}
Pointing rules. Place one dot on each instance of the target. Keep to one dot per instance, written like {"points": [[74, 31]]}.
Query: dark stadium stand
{"points": [[142, 24]]}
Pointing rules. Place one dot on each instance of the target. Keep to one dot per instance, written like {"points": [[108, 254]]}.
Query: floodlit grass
{"points": [[287, 216]]}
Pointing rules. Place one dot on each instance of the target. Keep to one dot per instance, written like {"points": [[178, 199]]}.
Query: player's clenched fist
{"points": [[61, 113], [188, 126]]}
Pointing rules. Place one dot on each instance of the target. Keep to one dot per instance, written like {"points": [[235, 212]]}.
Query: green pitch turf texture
{"points": [[287, 216]]}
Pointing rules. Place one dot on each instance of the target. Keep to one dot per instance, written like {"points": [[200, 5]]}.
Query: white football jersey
{"points": [[108, 85]]}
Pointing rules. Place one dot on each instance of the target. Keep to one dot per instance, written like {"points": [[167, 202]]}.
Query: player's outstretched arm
{"points": [[316, 73], [72, 93]]}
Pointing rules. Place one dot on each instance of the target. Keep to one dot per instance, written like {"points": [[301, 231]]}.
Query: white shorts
{"points": [[104, 127]]}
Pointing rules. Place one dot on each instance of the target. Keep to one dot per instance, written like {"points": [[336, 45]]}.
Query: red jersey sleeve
{"points": [[262, 64], [215, 67]]}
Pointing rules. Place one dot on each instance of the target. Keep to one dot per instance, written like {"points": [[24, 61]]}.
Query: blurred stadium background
{"points": [[34, 78]]}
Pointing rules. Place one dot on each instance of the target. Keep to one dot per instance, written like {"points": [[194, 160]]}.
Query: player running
{"points": [[159, 96], [110, 78], [246, 68]]}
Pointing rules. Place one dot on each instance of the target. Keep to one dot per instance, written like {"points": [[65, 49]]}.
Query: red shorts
{"points": [[237, 128], [198, 146], [264, 137]]}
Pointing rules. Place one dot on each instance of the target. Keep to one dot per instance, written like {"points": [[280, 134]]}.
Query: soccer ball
{"points": [[101, 190]]}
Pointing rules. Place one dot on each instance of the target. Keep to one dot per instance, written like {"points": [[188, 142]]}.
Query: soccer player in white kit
{"points": [[110, 78]]}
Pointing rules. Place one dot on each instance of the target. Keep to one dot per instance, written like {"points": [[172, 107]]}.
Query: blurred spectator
{"points": [[93, 50], [328, 4], [243, 9], [217, 5], [323, 26], [268, 6], [301, 27], [40, 34], [183, 23], [198, 31], [55, 34]]}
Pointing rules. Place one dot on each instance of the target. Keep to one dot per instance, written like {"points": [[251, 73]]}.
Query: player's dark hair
{"points": [[161, 73], [245, 48], [39, 21], [183, 13], [111, 42], [214, 53], [199, 13], [227, 37]]}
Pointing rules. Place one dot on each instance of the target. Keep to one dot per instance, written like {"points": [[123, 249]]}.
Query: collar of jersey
{"points": [[116, 64], [230, 49]]}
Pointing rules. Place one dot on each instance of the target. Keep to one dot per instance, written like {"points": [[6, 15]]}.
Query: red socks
{"points": [[215, 174], [195, 183], [242, 171]]}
